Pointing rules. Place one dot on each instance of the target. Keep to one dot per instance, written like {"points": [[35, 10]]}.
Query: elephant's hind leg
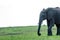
{"points": [[58, 29]]}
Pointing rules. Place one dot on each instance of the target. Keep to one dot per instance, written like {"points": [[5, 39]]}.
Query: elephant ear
{"points": [[49, 13]]}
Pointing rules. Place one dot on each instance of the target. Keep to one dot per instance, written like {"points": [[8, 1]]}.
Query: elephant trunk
{"points": [[39, 26]]}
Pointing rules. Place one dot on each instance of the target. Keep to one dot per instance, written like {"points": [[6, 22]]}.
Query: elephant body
{"points": [[55, 15], [52, 15]]}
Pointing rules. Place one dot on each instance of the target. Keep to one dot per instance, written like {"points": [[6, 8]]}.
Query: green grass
{"points": [[27, 33]]}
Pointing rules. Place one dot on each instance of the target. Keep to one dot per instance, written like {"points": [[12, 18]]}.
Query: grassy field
{"points": [[26, 33]]}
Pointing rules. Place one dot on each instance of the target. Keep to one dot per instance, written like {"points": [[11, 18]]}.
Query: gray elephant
{"points": [[52, 15]]}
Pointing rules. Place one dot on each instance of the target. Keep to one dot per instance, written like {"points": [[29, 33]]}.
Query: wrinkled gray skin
{"points": [[52, 15]]}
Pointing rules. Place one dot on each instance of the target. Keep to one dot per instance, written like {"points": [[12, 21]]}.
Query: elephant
{"points": [[52, 15]]}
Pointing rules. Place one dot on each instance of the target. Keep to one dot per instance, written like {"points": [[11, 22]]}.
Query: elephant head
{"points": [[41, 18]]}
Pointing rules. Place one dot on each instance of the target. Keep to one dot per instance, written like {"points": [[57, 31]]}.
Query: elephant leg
{"points": [[50, 24], [49, 30], [58, 29]]}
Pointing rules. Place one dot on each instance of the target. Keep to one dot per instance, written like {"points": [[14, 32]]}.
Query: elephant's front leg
{"points": [[50, 24], [49, 30]]}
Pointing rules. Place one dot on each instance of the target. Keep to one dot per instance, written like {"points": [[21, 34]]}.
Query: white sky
{"points": [[23, 12]]}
